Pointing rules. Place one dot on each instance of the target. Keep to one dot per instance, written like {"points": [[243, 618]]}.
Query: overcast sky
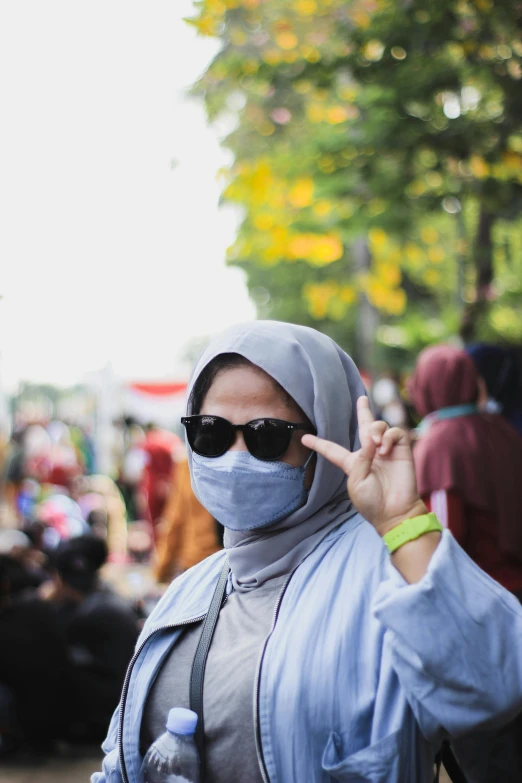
{"points": [[108, 251]]}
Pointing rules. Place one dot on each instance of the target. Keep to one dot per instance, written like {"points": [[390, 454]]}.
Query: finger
{"points": [[377, 430], [364, 417], [393, 437], [334, 453], [362, 462]]}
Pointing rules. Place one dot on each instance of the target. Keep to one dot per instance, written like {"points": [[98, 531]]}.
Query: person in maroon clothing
{"points": [[159, 447], [469, 464]]}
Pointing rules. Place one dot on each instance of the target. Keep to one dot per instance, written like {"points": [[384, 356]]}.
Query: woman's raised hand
{"points": [[381, 476]]}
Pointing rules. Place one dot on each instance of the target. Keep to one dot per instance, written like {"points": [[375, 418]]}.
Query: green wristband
{"points": [[410, 529]]}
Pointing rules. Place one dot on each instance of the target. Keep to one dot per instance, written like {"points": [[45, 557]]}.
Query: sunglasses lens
{"points": [[208, 436], [267, 439]]}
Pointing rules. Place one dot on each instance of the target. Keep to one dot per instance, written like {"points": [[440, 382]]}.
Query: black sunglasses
{"points": [[211, 436]]}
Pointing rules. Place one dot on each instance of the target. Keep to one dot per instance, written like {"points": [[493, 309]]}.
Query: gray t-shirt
{"points": [[228, 697]]}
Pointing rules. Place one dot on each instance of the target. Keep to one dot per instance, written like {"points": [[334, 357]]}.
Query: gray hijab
{"points": [[326, 384]]}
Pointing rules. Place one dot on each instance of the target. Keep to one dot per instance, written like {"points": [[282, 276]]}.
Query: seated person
{"points": [[33, 663], [100, 629]]}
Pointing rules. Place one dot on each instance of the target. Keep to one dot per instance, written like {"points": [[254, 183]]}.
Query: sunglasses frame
{"points": [[289, 426]]}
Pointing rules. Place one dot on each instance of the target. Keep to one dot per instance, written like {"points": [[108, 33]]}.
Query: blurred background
{"points": [[172, 168], [350, 165]]}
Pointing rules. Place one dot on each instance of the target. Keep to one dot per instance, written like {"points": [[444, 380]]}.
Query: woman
{"points": [[330, 660], [469, 464]]}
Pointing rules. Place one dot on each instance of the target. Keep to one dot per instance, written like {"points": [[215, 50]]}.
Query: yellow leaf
{"points": [[514, 68], [432, 277], [305, 7], [327, 164], [429, 235], [318, 296], [317, 249], [215, 7], [303, 86], [263, 221], [272, 56], [300, 246], [389, 274], [205, 25], [336, 115], [336, 309], [347, 93], [513, 160], [362, 19], [286, 39], [322, 208], [479, 167], [311, 53], [434, 179], [321, 94], [290, 56], [238, 36], [487, 52], [348, 294], [414, 254], [396, 302], [373, 50], [249, 66], [315, 112], [266, 129], [327, 249], [507, 322], [377, 237], [436, 255], [417, 188], [302, 192], [376, 207]]}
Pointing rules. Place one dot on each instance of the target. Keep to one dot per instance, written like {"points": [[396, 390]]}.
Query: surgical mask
{"points": [[245, 493]]}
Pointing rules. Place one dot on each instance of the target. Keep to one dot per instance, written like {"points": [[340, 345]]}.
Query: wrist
{"points": [[416, 510]]}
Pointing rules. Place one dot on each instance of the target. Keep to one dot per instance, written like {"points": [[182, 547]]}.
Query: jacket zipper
{"points": [[259, 751], [127, 682]]}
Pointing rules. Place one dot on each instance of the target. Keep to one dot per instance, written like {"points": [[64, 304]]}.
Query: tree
{"points": [[371, 124]]}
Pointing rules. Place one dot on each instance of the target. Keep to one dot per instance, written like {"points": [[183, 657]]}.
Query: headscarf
{"points": [[478, 456], [326, 384], [500, 369]]}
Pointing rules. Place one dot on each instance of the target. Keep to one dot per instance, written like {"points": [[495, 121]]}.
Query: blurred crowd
{"points": [[68, 627], [71, 600]]}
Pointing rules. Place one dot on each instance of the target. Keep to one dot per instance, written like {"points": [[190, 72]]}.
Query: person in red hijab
{"points": [[469, 464], [159, 447]]}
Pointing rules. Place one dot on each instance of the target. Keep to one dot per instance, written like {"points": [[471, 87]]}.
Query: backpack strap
{"points": [[451, 765], [197, 675]]}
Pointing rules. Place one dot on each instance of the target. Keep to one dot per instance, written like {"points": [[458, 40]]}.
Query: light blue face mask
{"points": [[244, 493]]}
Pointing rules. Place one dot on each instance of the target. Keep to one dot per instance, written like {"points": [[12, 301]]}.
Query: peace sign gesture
{"points": [[381, 476]]}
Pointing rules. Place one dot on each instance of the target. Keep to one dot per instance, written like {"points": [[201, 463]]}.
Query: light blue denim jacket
{"points": [[363, 674]]}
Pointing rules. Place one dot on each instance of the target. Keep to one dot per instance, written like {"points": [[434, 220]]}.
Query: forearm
{"points": [[455, 637], [413, 558]]}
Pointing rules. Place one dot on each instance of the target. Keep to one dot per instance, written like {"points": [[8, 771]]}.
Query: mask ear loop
{"points": [[309, 460]]}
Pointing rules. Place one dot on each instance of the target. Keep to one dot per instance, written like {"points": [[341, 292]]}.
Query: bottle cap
{"points": [[182, 721]]}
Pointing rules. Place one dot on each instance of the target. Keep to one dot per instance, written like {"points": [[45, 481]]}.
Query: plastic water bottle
{"points": [[173, 758]]}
